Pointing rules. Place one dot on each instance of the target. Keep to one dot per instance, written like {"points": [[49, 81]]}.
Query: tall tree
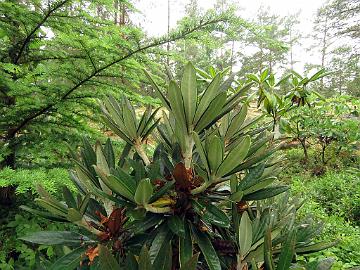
{"points": [[346, 20], [268, 40], [56, 57], [215, 47], [293, 36], [335, 27]]}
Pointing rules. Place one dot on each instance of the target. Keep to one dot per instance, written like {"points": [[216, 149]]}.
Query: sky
{"points": [[153, 17]]}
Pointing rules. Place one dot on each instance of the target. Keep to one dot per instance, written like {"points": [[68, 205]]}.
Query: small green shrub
{"points": [[27, 180], [335, 200], [15, 254], [347, 252], [337, 193]]}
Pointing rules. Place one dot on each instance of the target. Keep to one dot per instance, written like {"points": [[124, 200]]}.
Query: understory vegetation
{"points": [[202, 149]]}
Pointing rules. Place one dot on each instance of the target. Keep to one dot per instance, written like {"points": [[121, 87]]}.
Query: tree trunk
{"points": [[7, 193], [323, 154], [303, 144], [168, 34]]}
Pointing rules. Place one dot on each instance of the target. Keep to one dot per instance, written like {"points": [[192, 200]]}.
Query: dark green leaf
{"points": [[107, 260], [56, 238], [69, 261], [265, 193], [207, 249]]}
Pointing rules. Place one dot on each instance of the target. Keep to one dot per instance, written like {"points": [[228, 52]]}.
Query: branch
{"points": [[88, 55], [52, 58], [32, 33], [160, 42]]}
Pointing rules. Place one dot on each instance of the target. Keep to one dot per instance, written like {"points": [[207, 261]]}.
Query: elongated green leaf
{"points": [[150, 129], [143, 192], [53, 209], [107, 260], [209, 94], [269, 263], [69, 198], [234, 157], [237, 196], [227, 83], [177, 106], [43, 214], [200, 149], [287, 252], [160, 94], [212, 111], [127, 179], [46, 196], [138, 227], [253, 160], [144, 120], [252, 177], [147, 125], [177, 225], [185, 246], [69, 261], [162, 191], [74, 215], [191, 264], [315, 247], [262, 184], [211, 214], [317, 75], [117, 130], [144, 259], [129, 120], [56, 238], [162, 238], [236, 122], [109, 154], [265, 193], [245, 234], [164, 260], [207, 250], [234, 99], [215, 152], [189, 92], [131, 262], [258, 144], [116, 185]]}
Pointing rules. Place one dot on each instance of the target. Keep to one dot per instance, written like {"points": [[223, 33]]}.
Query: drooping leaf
{"points": [[191, 264], [162, 238], [245, 234], [144, 259], [107, 260], [160, 94], [185, 246], [207, 249], [211, 214], [57, 238], [70, 260], [177, 225]]}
